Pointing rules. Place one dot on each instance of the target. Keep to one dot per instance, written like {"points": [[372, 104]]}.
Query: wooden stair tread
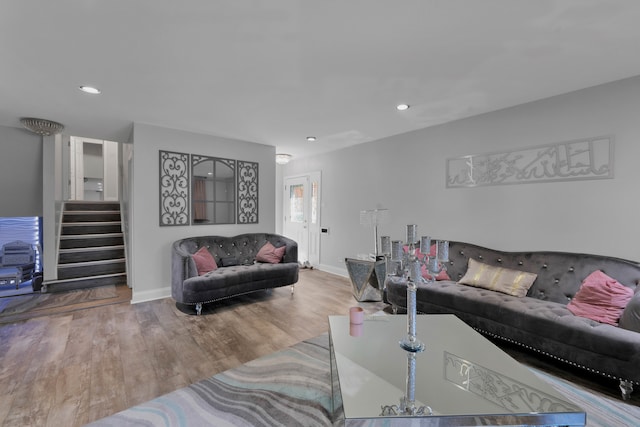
{"points": [[89, 263], [89, 236], [92, 247]]}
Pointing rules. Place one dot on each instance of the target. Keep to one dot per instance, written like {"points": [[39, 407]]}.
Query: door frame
{"points": [[110, 172]]}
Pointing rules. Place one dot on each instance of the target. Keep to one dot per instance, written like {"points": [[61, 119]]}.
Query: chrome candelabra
{"points": [[408, 264], [411, 263]]}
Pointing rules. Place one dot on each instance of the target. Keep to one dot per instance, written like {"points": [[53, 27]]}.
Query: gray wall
{"points": [[597, 216], [150, 273], [20, 172]]}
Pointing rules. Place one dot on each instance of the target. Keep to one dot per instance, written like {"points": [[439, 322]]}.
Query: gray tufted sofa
{"points": [[187, 287], [540, 321]]}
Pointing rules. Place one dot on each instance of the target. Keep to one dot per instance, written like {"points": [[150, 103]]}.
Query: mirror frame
{"points": [[217, 177]]}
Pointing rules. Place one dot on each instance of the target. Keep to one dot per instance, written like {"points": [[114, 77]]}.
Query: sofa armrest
{"points": [[291, 253], [182, 267]]}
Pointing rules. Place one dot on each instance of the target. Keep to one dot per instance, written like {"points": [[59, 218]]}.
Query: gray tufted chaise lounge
{"points": [[540, 321], [187, 287]]}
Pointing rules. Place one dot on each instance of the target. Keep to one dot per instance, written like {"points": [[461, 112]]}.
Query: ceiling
{"points": [[276, 71]]}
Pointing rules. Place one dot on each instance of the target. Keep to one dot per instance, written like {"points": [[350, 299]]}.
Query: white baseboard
{"points": [[333, 270], [151, 295], [154, 294]]}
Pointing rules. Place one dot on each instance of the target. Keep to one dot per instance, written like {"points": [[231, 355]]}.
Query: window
{"points": [[314, 203], [296, 197]]}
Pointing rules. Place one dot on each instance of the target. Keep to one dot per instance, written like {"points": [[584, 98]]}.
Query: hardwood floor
{"points": [[68, 369], [81, 364], [24, 307]]}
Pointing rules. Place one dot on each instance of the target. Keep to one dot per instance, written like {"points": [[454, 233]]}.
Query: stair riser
{"points": [[89, 219], [89, 229], [86, 284], [90, 242], [97, 217], [90, 270], [92, 206], [85, 256]]}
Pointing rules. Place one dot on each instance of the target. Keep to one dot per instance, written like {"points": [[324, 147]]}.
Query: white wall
{"points": [[20, 172], [279, 216], [150, 243], [126, 185], [597, 216], [52, 201]]}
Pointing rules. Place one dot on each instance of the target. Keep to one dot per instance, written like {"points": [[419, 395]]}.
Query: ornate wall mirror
{"points": [[213, 190]]}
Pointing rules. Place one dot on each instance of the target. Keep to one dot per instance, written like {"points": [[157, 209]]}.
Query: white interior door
{"points": [[302, 216], [296, 212]]}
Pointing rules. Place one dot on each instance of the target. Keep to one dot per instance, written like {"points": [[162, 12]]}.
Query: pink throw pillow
{"points": [[204, 261], [271, 254], [600, 298], [440, 276]]}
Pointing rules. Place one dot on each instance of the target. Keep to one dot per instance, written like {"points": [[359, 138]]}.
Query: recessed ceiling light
{"points": [[90, 89], [311, 138], [402, 107]]}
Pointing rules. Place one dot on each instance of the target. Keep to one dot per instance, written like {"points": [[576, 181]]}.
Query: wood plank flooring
{"points": [[71, 368], [24, 307]]}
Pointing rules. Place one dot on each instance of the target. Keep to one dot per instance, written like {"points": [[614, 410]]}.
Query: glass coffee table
{"points": [[460, 379]]}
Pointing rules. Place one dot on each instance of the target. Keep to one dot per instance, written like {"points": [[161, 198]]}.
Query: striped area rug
{"points": [[292, 388], [601, 410]]}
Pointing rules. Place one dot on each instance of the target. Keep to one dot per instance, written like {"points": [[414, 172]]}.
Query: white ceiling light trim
{"points": [[90, 89], [283, 158]]}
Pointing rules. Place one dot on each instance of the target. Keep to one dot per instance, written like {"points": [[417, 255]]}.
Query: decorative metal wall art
{"points": [[589, 158], [174, 188], [247, 189], [207, 190]]}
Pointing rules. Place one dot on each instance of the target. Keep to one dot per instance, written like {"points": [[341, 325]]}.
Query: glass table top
{"points": [[459, 377]]}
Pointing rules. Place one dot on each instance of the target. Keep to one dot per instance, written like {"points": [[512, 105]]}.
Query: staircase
{"points": [[91, 247]]}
